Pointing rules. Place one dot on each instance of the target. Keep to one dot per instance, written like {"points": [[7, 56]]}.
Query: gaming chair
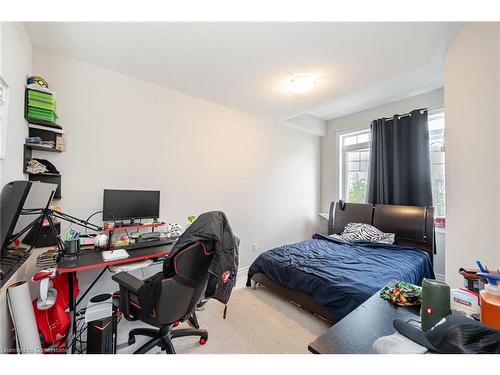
{"points": [[180, 291]]}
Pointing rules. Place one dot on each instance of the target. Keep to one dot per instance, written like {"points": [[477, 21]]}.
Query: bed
{"points": [[330, 277]]}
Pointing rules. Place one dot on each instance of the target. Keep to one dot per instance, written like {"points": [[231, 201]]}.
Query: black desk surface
{"points": [[358, 331], [89, 259]]}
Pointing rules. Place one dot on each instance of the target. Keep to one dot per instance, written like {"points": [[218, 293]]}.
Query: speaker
{"points": [[435, 303]]}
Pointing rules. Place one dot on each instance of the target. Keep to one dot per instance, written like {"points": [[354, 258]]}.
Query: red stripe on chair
{"points": [[205, 251], [135, 304]]}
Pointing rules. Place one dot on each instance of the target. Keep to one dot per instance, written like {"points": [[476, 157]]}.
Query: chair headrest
{"points": [[192, 262]]}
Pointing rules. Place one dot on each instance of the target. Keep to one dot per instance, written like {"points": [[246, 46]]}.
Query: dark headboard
{"points": [[413, 226]]}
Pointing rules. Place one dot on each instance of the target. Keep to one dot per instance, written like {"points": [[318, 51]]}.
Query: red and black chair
{"points": [[182, 287]]}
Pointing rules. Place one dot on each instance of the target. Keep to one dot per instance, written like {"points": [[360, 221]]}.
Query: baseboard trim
{"points": [[440, 277], [241, 278]]}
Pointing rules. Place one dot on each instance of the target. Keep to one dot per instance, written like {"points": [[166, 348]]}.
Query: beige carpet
{"points": [[258, 321]]}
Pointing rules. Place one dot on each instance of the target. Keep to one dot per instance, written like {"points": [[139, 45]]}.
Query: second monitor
{"points": [[130, 205]]}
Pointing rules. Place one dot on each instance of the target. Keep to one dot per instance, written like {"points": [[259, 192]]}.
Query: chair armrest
{"points": [[128, 285], [127, 281]]}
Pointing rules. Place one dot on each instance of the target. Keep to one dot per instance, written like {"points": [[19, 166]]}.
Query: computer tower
{"points": [[100, 336], [101, 325]]}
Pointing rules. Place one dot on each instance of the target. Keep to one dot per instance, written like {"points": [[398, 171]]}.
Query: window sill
{"points": [[441, 230]]}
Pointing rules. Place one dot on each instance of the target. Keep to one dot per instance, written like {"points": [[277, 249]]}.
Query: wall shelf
{"points": [[127, 227], [28, 155], [48, 178], [41, 148], [35, 121], [45, 174], [45, 128], [47, 131]]}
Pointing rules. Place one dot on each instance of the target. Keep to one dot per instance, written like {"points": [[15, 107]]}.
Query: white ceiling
{"points": [[244, 65]]}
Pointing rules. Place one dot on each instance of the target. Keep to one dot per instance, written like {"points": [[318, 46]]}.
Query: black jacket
{"points": [[213, 227]]}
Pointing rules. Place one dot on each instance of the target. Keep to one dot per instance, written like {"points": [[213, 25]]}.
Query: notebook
{"points": [[111, 255]]}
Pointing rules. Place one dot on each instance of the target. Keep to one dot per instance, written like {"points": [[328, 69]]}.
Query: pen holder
{"points": [[72, 247]]}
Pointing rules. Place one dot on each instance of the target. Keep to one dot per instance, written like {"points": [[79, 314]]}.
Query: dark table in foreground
{"points": [[356, 333]]}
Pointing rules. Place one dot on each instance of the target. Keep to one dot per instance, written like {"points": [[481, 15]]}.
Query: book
{"points": [[49, 98], [32, 103], [60, 143]]}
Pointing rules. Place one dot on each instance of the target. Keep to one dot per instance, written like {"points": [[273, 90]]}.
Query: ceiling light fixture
{"points": [[302, 83]]}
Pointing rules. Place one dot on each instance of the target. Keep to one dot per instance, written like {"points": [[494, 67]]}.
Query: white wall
{"points": [[361, 120], [1, 26], [472, 98], [16, 57], [15, 65], [126, 133]]}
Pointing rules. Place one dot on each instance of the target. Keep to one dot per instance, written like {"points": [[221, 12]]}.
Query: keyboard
{"points": [[145, 244], [117, 254]]}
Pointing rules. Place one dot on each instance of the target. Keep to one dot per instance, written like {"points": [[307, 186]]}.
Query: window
{"points": [[355, 154], [354, 164], [4, 102], [436, 141]]}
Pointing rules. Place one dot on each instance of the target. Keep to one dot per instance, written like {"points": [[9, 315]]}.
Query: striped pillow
{"points": [[366, 232]]}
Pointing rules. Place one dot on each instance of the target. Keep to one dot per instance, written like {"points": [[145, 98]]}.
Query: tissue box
{"points": [[464, 300]]}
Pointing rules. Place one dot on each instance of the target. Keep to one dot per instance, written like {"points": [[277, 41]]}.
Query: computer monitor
{"points": [[131, 204], [12, 199], [39, 197], [22, 205]]}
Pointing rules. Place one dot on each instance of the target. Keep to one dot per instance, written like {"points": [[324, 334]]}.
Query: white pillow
{"points": [[366, 232]]}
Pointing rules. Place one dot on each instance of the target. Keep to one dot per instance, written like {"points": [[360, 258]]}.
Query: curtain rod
{"points": [[421, 111]]}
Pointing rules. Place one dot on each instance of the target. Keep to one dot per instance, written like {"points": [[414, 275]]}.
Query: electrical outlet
{"points": [[255, 247]]}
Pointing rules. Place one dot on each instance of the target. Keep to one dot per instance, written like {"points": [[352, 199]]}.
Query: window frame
{"points": [[4, 107], [435, 114], [343, 150]]}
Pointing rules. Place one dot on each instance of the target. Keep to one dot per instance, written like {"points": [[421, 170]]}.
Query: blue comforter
{"points": [[341, 275]]}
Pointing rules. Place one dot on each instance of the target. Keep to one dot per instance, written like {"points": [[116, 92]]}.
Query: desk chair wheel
{"points": [[203, 339]]}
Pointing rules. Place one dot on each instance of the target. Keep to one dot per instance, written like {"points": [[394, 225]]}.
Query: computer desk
{"points": [[92, 259]]}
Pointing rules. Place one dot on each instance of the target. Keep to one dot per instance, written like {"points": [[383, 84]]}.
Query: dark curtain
{"points": [[400, 167]]}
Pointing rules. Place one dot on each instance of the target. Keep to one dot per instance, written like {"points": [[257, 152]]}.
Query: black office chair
{"points": [[181, 290]]}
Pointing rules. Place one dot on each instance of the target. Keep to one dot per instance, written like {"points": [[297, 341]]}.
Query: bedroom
{"points": [[283, 127]]}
